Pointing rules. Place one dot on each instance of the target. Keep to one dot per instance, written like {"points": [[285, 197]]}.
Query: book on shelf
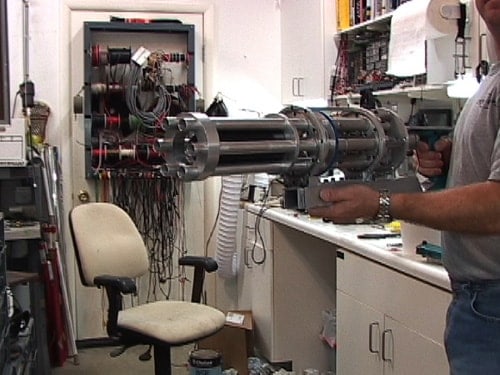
{"points": [[354, 12], [343, 14]]}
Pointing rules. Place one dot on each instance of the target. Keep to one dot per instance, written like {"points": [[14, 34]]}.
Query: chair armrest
{"points": [[115, 286], [201, 265], [209, 264], [124, 285]]}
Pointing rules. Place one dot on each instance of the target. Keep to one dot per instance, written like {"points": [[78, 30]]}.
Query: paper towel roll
{"points": [[437, 25], [427, 14], [413, 23]]}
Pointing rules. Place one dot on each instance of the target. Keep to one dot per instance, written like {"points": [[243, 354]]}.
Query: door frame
{"points": [[65, 103]]}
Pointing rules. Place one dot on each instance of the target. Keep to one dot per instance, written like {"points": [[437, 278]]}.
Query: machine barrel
{"points": [[295, 142]]}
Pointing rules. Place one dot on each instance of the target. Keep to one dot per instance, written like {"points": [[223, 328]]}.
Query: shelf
{"points": [[16, 277], [22, 230], [430, 92], [374, 24]]}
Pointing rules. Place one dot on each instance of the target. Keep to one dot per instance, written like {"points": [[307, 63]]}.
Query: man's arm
{"points": [[469, 209]]}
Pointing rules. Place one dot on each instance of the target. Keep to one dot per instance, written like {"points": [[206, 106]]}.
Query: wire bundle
{"points": [[133, 93], [156, 207]]}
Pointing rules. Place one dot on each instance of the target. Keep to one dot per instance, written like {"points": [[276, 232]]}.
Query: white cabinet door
{"points": [[409, 353], [359, 329], [407, 313], [370, 343], [303, 55]]}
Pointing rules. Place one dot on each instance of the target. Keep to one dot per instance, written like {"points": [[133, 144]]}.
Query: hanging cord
{"points": [[155, 206], [258, 233], [212, 231]]}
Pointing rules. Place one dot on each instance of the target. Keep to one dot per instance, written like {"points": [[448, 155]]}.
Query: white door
{"points": [[87, 302], [410, 353], [359, 345]]}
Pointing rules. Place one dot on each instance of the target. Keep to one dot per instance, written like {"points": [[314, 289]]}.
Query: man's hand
{"points": [[348, 203], [434, 162]]}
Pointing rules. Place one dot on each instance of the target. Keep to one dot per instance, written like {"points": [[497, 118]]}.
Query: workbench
{"points": [[389, 302]]}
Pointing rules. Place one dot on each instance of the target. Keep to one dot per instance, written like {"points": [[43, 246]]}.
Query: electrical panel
{"points": [[137, 74]]}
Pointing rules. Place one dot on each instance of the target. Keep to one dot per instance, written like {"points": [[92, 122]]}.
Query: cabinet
{"points": [[387, 322], [288, 292], [307, 29]]}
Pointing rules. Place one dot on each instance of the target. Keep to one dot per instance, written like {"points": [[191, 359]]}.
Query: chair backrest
{"points": [[106, 242]]}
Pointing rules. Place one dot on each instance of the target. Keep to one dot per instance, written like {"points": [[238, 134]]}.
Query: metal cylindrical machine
{"points": [[296, 143]]}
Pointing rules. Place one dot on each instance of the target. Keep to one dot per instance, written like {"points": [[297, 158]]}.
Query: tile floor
{"points": [[97, 361]]}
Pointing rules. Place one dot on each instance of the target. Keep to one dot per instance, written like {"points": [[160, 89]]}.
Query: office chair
{"points": [[110, 253]]}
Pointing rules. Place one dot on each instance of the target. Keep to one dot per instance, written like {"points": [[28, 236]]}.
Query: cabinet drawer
{"points": [[417, 305]]}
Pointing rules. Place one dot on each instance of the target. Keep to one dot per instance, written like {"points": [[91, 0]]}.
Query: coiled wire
{"points": [[160, 110]]}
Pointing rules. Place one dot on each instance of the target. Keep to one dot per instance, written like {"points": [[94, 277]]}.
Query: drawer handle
{"points": [[371, 328], [386, 347]]}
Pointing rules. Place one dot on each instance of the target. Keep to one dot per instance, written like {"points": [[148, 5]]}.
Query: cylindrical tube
{"points": [[357, 144], [238, 148]]}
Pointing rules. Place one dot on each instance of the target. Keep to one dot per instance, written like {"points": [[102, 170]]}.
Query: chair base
{"points": [[161, 356], [97, 342]]}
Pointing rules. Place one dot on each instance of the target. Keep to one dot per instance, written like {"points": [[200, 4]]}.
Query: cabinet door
{"points": [[359, 328], [302, 43], [405, 352]]}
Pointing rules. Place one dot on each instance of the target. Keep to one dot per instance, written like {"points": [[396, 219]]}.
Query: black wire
{"points": [[14, 104], [153, 205], [215, 223], [257, 231]]}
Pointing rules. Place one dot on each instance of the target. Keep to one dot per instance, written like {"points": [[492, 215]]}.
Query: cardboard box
{"points": [[234, 341]]}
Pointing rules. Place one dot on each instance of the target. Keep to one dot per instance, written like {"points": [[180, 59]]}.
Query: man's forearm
{"points": [[471, 209]]}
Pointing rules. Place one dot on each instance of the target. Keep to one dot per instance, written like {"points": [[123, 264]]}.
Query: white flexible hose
{"points": [[226, 255]]}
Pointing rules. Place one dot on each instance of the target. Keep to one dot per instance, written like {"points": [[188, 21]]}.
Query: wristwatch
{"points": [[384, 207]]}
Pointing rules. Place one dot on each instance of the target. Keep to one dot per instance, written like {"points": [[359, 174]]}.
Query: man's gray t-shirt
{"points": [[476, 158]]}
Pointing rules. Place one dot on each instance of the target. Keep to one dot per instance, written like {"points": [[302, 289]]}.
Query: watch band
{"points": [[384, 207]]}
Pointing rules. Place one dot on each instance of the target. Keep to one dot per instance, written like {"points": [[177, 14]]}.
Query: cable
{"points": [[212, 231], [155, 206], [257, 231], [159, 111]]}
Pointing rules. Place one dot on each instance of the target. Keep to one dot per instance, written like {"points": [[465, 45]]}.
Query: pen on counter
{"points": [[373, 236]]}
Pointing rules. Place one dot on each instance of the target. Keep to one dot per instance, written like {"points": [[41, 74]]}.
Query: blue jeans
{"points": [[472, 336]]}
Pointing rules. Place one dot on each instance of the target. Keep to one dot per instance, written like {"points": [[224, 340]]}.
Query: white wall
{"points": [[43, 55], [248, 58], [247, 68]]}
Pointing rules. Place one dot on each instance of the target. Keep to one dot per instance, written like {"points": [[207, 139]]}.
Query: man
{"points": [[468, 213]]}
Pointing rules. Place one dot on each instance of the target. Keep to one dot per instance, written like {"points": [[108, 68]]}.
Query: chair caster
{"points": [[118, 351], [146, 356]]}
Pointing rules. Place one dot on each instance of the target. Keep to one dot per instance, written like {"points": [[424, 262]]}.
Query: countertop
{"points": [[345, 236]]}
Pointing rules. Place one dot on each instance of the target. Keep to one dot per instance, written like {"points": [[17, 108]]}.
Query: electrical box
{"points": [[137, 74]]}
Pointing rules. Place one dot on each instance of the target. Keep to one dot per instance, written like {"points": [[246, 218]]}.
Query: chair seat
{"points": [[173, 322]]}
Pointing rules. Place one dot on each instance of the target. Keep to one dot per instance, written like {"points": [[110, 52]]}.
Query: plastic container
{"points": [[205, 362]]}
